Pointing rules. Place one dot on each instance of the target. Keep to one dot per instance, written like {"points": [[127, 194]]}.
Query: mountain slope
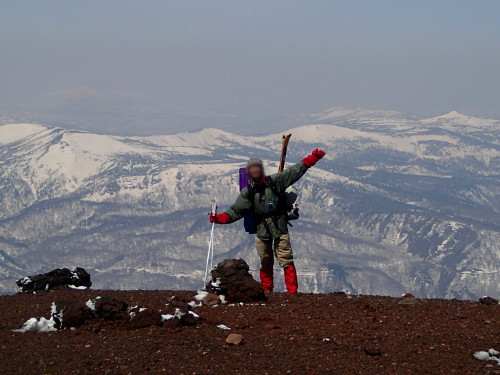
{"points": [[397, 205]]}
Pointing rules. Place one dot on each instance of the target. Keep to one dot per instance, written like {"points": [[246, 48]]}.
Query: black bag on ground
{"points": [[57, 277]]}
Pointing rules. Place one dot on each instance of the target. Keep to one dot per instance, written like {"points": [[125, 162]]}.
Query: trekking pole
{"points": [[210, 256]]}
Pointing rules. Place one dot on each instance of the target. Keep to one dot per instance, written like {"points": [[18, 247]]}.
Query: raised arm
{"points": [[291, 175]]}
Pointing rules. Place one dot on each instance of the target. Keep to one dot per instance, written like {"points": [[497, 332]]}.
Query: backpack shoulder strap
{"points": [[251, 192], [270, 184]]}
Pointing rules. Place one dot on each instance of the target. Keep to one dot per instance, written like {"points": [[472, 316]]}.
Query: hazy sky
{"points": [[142, 67]]}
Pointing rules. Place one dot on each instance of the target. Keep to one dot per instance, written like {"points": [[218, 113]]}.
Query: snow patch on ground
{"points": [[34, 324], [178, 314], [224, 327], [490, 355], [42, 324], [135, 310], [193, 314], [201, 294], [91, 305], [77, 287]]}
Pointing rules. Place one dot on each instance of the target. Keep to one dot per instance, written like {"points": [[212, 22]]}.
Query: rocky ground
{"points": [[303, 334]]}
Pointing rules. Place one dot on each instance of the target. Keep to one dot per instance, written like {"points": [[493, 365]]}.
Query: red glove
{"points": [[220, 218], [312, 159]]}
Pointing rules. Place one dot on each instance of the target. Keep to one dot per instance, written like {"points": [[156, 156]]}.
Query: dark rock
{"points": [[374, 352], [73, 313], [490, 301], [111, 309], [188, 319], [172, 323], [232, 279], [55, 278]]}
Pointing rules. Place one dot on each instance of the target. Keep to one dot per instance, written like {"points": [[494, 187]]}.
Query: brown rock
{"points": [[234, 339], [143, 319], [211, 299]]}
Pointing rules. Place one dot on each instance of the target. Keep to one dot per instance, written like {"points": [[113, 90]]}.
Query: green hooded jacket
{"points": [[269, 212]]}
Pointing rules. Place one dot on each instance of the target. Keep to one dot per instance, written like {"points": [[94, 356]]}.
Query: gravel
{"points": [[304, 334]]}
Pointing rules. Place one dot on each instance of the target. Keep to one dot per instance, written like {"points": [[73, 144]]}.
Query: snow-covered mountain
{"points": [[398, 205]]}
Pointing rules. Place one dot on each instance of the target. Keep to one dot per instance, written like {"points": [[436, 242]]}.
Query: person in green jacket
{"points": [[262, 198]]}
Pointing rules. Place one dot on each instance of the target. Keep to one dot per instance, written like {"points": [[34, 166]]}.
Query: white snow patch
{"points": [[194, 314], [16, 132], [201, 294], [224, 327], [178, 314], [482, 355], [133, 314], [91, 305], [25, 280], [165, 317], [194, 304], [34, 324], [490, 355], [43, 324], [77, 287]]}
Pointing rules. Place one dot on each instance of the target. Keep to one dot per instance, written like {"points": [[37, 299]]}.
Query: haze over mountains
{"points": [[398, 204]]}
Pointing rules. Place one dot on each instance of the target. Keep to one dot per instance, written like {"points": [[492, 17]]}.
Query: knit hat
{"points": [[255, 161]]}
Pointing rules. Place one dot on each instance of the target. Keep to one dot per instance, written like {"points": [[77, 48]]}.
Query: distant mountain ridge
{"points": [[398, 205]]}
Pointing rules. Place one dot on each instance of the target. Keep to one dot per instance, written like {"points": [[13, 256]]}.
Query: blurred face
{"points": [[256, 172]]}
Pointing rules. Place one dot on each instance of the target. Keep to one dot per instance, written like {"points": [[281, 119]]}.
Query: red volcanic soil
{"points": [[303, 334]]}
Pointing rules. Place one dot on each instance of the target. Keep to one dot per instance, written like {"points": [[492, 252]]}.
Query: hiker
{"points": [[265, 198]]}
